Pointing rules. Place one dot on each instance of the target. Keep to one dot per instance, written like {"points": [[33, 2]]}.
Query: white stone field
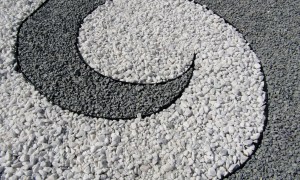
{"points": [[206, 134]]}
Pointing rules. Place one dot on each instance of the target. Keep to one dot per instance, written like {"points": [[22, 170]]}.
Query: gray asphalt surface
{"points": [[272, 27]]}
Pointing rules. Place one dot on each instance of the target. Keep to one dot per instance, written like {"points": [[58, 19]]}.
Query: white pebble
{"points": [[24, 158], [167, 167], [212, 172]]}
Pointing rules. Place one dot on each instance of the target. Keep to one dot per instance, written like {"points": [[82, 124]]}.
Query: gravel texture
{"points": [[145, 46], [60, 143], [272, 29], [67, 81], [207, 133]]}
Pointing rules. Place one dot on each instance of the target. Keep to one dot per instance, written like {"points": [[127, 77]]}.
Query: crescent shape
{"points": [[48, 56]]}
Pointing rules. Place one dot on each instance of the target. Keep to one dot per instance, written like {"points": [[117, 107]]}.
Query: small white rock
{"points": [[145, 168], [24, 158], [211, 172], [167, 167]]}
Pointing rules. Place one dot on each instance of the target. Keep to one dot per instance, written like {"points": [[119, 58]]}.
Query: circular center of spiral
{"points": [[138, 44]]}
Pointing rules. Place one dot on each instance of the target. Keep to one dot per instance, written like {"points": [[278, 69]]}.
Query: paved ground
{"points": [[272, 27]]}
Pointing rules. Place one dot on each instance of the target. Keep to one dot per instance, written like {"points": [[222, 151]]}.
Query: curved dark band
{"points": [[48, 56]]}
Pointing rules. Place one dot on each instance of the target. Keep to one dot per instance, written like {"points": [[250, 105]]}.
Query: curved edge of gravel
{"points": [[266, 114], [266, 103]]}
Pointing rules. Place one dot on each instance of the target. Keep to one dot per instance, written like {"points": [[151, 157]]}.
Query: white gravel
{"points": [[207, 133], [134, 43]]}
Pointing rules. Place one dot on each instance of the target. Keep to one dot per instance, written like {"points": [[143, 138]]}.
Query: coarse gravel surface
{"points": [[139, 47], [276, 157], [207, 133], [68, 82], [272, 29]]}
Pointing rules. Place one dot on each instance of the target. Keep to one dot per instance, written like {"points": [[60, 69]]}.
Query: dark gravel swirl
{"points": [[49, 58]]}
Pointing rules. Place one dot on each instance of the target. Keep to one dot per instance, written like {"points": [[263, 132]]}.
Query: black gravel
{"points": [[49, 58], [272, 27]]}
